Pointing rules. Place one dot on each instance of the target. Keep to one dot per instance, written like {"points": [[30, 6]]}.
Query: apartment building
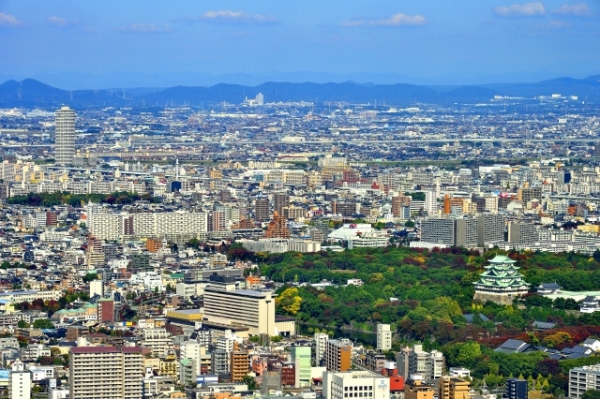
{"points": [[338, 354], [112, 226], [384, 337], [157, 339], [416, 361], [582, 379], [105, 372], [453, 388]]}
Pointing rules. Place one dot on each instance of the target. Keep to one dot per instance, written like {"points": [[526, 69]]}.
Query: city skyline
{"points": [[198, 43]]}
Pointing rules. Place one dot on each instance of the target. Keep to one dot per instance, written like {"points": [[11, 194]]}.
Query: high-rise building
{"points": [[338, 354], [280, 201], [64, 136], [105, 372], [384, 337], [490, 229], [239, 365], [262, 209]]}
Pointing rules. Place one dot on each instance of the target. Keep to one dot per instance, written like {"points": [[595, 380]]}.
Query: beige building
{"points": [[253, 309], [105, 372], [453, 388]]}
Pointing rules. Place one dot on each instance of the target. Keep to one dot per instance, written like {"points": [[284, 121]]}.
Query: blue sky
{"points": [[437, 41]]}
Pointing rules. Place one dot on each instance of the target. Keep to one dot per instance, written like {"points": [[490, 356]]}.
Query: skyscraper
{"points": [[65, 136]]}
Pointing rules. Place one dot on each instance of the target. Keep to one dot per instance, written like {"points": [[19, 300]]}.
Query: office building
{"points": [[384, 337], [453, 388], [582, 379], [355, 384], [465, 232], [19, 381], [301, 358], [338, 354], [490, 229], [518, 389], [64, 136], [226, 305], [438, 231], [522, 233], [105, 372], [262, 209]]}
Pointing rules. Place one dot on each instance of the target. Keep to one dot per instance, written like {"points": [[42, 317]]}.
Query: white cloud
{"points": [[580, 10], [534, 9], [146, 28], [558, 25], [395, 20], [61, 22], [8, 20], [239, 17]]}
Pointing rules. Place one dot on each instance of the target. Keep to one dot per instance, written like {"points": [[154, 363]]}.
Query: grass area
{"points": [[341, 271], [539, 395]]}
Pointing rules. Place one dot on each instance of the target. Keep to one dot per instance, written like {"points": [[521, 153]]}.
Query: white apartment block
{"points": [[19, 381], [582, 379], [384, 337], [111, 226], [157, 339], [355, 384]]}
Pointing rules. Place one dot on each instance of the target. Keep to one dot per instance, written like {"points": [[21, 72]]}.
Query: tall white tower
{"points": [[65, 136]]}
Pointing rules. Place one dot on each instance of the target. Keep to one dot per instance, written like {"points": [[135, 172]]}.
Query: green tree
{"points": [[22, 324], [591, 394], [251, 382], [43, 324]]}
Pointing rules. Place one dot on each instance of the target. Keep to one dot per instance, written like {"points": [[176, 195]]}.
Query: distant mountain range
{"points": [[32, 93]]}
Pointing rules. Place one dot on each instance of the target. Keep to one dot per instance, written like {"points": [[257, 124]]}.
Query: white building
{"points": [[65, 136], [320, 344], [96, 288], [582, 379], [384, 337], [355, 384], [19, 383], [253, 309]]}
